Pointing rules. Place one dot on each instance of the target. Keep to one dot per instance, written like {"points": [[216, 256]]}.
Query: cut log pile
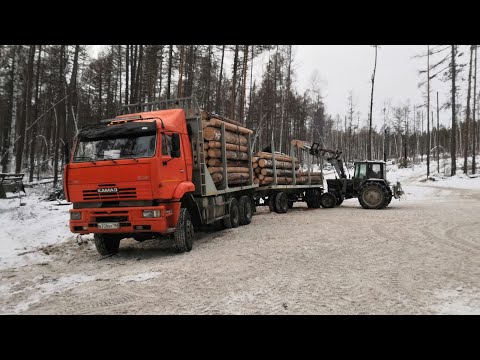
{"points": [[236, 149], [262, 164]]}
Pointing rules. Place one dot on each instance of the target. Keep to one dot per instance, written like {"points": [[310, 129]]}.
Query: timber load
{"points": [[285, 165], [236, 150]]}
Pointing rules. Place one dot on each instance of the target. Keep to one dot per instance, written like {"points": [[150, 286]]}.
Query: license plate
{"points": [[109, 225]]}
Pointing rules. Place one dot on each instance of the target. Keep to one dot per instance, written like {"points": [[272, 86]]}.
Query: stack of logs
{"points": [[263, 170], [236, 149]]}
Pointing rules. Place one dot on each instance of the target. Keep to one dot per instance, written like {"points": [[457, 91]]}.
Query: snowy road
{"points": [[418, 256]]}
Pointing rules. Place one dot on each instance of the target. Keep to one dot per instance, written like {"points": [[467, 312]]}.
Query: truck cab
{"points": [[126, 177]]}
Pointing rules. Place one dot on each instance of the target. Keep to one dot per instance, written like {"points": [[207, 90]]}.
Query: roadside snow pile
{"points": [[24, 230], [417, 175]]}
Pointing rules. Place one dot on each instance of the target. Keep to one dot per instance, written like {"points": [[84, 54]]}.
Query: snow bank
{"points": [[24, 230]]}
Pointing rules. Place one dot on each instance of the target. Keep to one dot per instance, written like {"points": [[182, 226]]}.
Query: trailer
{"points": [[281, 197]]}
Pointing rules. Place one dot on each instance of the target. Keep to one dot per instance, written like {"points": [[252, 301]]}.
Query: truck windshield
{"points": [[118, 148]]}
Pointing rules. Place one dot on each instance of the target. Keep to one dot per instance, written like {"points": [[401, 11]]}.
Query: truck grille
{"points": [[123, 193]]}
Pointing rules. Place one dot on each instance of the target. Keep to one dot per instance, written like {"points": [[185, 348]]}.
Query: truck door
{"points": [[173, 169]]}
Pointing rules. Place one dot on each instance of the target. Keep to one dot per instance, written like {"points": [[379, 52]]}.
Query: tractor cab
{"points": [[365, 170]]}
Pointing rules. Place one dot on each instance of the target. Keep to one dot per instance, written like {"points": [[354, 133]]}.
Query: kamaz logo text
{"points": [[107, 190]]}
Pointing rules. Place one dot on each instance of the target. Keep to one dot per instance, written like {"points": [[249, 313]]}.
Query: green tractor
{"points": [[369, 183]]}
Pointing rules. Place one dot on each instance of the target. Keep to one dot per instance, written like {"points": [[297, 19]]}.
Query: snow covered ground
{"points": [[429, 264], [26, 231]]}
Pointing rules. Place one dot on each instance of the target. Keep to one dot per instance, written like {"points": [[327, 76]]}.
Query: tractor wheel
{"points": [[234, 219], [106, 244], [281, 203], [245, 209], [374, 195], [328, 200], [183, 236]]}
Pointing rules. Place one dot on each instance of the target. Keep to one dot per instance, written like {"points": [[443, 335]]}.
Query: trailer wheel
{"points": [[328, 200], [106, 244], [313, 199], [271, 203], [184, 232], [245, 210], [281, 203], [232, 221]]}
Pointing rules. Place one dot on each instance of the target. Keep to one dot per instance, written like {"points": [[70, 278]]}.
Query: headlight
{"points": [[75, 215], [151, 213]]}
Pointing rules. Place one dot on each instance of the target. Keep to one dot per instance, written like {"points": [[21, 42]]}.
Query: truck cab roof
{"points": [[168, 120]]}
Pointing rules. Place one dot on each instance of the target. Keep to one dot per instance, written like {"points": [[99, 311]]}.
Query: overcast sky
{"points": [[345, 68]]}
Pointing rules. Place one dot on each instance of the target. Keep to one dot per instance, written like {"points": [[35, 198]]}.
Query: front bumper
{"points": [[130, 219]]}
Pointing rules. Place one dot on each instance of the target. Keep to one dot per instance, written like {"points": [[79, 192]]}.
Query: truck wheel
{"points": [[106, 244], [184, 232], [281, 203], [233, 220], [271, 203], [328, 200], [339, 201], [245, 207], [373, 195], [290, 204]]}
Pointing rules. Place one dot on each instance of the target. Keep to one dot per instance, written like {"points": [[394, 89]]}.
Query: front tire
{"points": [[184, 232], [106, 244]]}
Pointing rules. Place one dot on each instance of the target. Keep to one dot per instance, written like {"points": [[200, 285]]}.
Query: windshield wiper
{"points": [[108, 157], [83, 157], [130, 154]]}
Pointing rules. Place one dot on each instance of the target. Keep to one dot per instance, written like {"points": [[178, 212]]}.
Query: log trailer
{"points": [[144, 174]]}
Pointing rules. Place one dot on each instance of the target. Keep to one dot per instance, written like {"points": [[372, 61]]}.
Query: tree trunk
{"points": [[474, 145], [369, 145], [170, 65], [10, 161], [467, 120], [35, 115], [453, 147], [180, 71], [127, 65], [234, 83], [428, 110], [438, 136], [217, 100], [59, 115], [244, 84]]}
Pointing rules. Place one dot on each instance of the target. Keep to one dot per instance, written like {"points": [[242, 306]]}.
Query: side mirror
{"points": [[175, 152]]}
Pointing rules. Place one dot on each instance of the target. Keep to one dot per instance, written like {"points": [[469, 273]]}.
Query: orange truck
{"points": [[143, 174]]}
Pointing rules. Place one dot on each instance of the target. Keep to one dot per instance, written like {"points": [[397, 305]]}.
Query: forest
{"points": [[49, 92]]}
